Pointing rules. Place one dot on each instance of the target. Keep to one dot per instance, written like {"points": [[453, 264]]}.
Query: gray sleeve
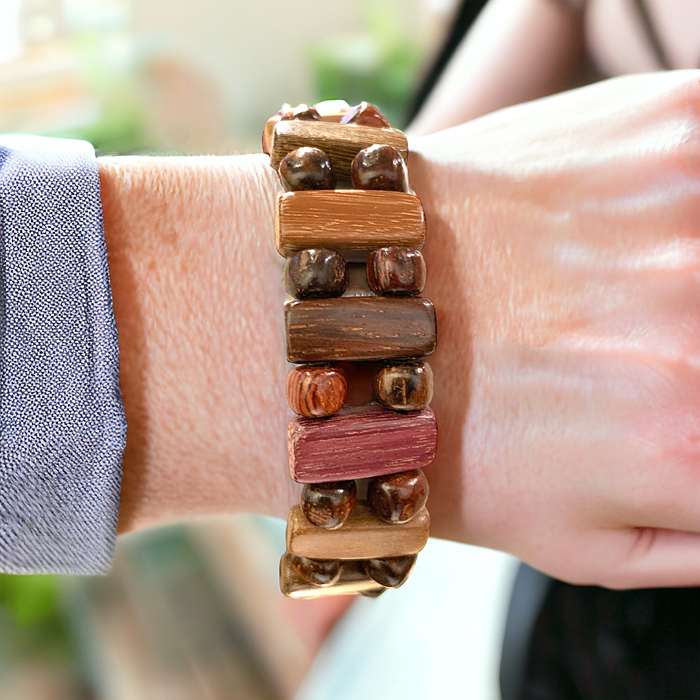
{"points": [[62, 425]]}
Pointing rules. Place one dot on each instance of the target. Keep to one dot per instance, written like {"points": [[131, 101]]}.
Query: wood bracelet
{"points": [[346, 200]]}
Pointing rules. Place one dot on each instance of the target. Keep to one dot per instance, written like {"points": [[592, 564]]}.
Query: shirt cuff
{"points": [[62, 424]]}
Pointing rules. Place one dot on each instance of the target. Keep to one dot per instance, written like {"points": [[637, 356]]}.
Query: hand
{"points": [[563, 259]]}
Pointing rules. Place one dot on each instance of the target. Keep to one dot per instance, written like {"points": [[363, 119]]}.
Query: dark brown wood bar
{"points": [[360, 328]]}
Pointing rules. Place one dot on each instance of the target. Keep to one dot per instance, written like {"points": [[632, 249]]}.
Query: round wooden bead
{"points": [[307, 168], [366, 114], [373, 594], [328, 504], [397, 498], [316, 392], [319, 572], [390, 572], [407, 386], [315, 273], [396, 271], [379, 167]]}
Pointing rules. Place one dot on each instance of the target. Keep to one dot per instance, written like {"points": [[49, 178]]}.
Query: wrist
{"points": [[196, 296]]}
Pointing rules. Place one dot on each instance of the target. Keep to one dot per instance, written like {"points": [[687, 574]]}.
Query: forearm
{"points": [[197, 299], [516, 51]]}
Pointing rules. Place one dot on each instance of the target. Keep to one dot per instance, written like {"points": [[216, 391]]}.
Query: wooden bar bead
{"points": [[397, 498], [352, 581], [360, 442], [270, 126], [405, 386], [396, 271], [351, 222], [319, 572], [362, 536], [315, 273], [390, 572], [328, 504], [316, 392], [379, 167], [340, 142], [360, 328]]}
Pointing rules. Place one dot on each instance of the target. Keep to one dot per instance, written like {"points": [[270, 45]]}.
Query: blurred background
{"points": [[194, 612]]}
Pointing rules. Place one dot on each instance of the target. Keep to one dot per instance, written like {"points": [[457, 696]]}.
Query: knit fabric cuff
{"points": [[62, 425]]}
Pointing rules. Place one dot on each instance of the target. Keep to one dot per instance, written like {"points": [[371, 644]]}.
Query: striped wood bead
{"points": [[316, 392]]}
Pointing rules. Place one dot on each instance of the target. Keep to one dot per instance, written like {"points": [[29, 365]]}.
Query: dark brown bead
{"points": [[319, 572], [404, 387], [302, 112], [373, 594], [316, 392], [366, 114], [396, 271], [329, 504], [315, 273], [379, 167], [397, 498], [390, 572], [307, 168]]}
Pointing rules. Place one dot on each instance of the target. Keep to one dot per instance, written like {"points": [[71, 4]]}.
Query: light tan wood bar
{"points": [[351, 222], [340, 142], [362, 536]]}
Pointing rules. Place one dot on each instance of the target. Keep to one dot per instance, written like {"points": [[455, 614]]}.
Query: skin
{"points": [[563, 259]]}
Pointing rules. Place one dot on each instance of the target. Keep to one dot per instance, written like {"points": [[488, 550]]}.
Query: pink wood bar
{"points": [[360, 442]]}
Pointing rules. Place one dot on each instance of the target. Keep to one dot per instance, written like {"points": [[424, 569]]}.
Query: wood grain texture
{"points": [[360, 442], [360, 328], [340, 142], [316, 392], [396, 271], [328, 504], [362, 536], [404, 386], [353, 580], [351, 222], [397, 498], [315, 273]]}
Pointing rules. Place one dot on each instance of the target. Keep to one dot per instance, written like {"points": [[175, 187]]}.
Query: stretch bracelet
{"points": [[347, 208]]}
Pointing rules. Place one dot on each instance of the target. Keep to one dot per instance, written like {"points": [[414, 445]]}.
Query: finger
{"points": [[652, 558]]}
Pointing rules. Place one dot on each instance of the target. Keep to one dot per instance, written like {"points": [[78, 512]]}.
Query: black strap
{"points": [[464, 18], [652, 35]]}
